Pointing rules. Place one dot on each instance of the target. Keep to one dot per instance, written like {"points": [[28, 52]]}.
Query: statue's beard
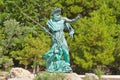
{"points": [[57, 18]]}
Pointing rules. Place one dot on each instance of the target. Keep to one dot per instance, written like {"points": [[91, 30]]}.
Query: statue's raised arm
{"points": [[72, 20]]}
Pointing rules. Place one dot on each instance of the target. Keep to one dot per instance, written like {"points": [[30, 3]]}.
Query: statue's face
{"points": [[57, 16]]}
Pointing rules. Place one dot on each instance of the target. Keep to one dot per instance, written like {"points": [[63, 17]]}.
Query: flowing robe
{"points": [[57, 58]]}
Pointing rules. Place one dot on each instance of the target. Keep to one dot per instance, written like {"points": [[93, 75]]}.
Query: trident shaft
{"points": [[42, 27]]}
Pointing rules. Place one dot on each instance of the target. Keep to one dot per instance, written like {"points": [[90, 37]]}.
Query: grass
{"points": [[50, 76]]}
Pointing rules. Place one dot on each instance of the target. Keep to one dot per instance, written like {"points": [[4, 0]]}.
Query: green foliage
{"points": [[116, 63], [14, 34], [99, 72], [95, 45], [86, 79], [19, 36], [50, 76], [75, 9], [97, 34], [115, 6], [6, 62], [33, 50]]}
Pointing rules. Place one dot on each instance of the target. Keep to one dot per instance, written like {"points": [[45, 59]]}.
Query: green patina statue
{"points": [[57, 58]]}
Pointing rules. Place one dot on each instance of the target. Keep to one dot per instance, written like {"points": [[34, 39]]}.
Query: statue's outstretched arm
{"points": [[72, 20]]}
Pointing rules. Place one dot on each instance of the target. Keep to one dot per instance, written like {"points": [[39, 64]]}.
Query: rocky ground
{"points": [[22, 74]]}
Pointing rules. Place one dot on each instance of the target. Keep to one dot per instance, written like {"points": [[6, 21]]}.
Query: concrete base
{"points": [[107, 77]]}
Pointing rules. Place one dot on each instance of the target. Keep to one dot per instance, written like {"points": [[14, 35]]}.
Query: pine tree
{"points": [[94, 44]]}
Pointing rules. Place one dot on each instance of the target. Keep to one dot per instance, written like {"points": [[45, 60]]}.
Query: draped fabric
{"points": [[57, 58]]}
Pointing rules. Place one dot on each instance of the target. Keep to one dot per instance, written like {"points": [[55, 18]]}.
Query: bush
{"points": [[6, 63], [99, 72], [50, 76]]}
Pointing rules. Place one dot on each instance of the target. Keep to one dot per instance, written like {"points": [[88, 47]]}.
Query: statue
{"points": [[57, 58]]}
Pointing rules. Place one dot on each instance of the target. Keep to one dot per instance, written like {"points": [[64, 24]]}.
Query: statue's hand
{"points": [[71, 35], [78, 16]]}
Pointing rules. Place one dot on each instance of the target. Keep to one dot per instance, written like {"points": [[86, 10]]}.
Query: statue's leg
{"points": [[66, 56], [65, 51]]}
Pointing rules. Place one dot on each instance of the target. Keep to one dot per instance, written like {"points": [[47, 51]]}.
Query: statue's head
{"points": [[56, 13]]}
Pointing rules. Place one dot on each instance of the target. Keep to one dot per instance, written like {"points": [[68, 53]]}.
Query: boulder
{"points": [[91, 76], [3, 75], [72, 76], [19, 79], [20, 73], [3, 78]]}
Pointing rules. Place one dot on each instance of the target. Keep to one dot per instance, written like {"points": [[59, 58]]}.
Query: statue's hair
{"points": [[56, 10]]}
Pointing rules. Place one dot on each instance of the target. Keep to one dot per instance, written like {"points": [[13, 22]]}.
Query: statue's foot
{"points": [[70, 71]]}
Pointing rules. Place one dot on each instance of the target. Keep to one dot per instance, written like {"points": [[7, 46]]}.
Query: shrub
{"points": [[6, 62], [50, 76]]}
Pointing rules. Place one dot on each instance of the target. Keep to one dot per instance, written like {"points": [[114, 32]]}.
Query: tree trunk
{"points": [[34, 70], [38, 68], [34, 64], [25, 66]]}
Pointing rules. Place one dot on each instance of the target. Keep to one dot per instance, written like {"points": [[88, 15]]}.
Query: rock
{"points": [[73, 76], [20, 79], [4, 75], [20, 73], [91, 76], [3, 78]]}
